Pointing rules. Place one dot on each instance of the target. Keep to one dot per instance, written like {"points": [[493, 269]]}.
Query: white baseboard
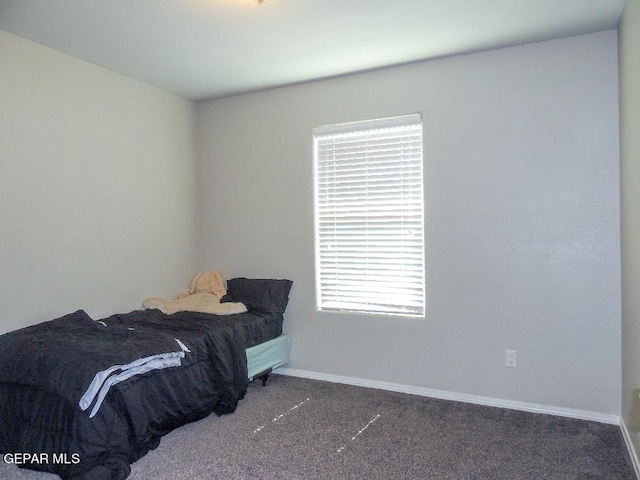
{"points": [[630, 447], [458, 397]]}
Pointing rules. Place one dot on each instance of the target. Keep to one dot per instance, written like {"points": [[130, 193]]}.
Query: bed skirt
{"points": [[268, 355]]}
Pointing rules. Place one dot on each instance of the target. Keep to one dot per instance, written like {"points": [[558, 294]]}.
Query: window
{"points": [[369, 216]]}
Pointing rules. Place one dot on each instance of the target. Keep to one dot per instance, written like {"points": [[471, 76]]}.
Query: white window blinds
{"points": [[369, 216]]}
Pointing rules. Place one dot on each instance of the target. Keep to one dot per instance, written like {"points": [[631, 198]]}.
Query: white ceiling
{"points": [[203, 49]]}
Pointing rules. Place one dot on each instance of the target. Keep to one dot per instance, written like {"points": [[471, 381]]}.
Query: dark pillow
{"points": [[266, 296]]}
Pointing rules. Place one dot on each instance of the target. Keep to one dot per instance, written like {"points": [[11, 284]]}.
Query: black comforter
{"points": [[46, 369]]}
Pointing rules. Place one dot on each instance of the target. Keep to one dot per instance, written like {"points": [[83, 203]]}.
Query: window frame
{"points": [[417, 292]]}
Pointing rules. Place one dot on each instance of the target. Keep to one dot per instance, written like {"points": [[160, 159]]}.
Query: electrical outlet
{"points": [[510, 358]]}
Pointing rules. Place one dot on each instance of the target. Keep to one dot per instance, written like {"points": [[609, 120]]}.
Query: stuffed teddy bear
{"points": [[204, 294], [206, 282]]}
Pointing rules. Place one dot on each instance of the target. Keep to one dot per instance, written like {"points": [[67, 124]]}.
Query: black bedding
{"points": [[196, 365]]}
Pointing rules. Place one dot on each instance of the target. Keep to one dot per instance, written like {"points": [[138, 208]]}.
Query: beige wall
{"points": [[97, 187], [629, 40], [521, 149]]}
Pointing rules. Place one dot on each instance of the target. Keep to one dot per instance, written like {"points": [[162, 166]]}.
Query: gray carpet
{"points": [[304, 429]]}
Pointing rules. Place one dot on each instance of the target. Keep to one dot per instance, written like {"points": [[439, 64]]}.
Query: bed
{"points": [[85, 398]]}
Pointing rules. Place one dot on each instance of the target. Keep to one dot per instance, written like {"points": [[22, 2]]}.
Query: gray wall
{"points": [[99, 209], [97, 190], [630, 174], [522, 220]]}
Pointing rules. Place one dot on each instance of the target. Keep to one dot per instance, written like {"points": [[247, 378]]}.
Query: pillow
{"points": [[266, 296]]}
